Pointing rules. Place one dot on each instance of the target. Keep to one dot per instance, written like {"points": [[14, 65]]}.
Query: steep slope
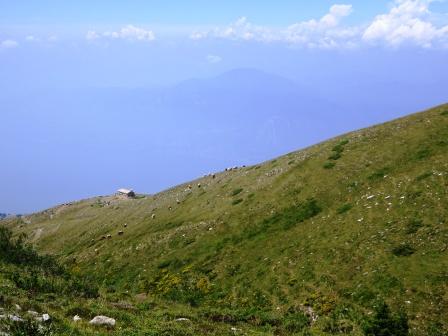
{"points": [[332, 231]]}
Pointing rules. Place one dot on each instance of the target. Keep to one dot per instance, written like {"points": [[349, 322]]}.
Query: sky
{"points": [[88, 88]]}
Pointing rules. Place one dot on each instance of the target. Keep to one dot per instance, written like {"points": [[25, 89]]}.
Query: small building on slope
{"points": [[126, 192]]}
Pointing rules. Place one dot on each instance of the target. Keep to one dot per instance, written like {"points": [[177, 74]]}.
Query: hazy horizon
{"points": [[100, 95]]}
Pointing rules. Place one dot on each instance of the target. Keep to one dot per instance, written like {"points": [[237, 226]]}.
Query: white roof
{"points": [[125, 191]]}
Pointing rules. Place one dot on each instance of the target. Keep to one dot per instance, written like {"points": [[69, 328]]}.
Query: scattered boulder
{"points": [[103, 321], [180, 319], [153, 216], [120, 233], [14, 318], [46, 317]]}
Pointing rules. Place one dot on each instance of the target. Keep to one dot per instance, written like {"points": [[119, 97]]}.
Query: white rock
{"points": [[180, 319], [103, 320], [15, 318], [46, 317], [18, 307], [76, 318], [32, 313]]}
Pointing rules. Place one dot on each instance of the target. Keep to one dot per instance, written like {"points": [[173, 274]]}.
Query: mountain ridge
{"points": [[330, 231]]}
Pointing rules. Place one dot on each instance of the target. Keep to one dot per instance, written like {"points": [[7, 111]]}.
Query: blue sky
{"points": [[179, 12], [97, 95]]}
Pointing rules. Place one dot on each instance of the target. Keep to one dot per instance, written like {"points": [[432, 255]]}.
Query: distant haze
{"points": [[66, 144]]}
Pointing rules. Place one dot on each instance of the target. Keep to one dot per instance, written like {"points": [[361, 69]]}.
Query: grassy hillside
{"points": [[343, 237]]}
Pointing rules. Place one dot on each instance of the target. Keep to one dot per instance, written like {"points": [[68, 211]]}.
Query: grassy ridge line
{"points": [[373, 226]]}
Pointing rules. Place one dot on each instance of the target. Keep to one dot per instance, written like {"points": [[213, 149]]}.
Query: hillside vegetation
{"points": [[349, 236]]}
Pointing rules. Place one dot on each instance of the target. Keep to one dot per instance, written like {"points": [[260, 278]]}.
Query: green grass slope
{"points": [[336, 238]]}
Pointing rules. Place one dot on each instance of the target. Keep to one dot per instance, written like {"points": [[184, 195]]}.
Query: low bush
{"points": [[423, 176], [384, 323], [236, 191], [237, 201], [422, 154], [344, 208], [379, 174], [26, 327], [329, 165], [335, 156], [403, 250], [413, 225]]}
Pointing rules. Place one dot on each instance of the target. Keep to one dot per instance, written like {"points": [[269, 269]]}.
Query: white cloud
{"points": [[241, 29], [129, 32], [213, 59], [92, 35], [198, 35], [31, 38], [324, 33], [319, 33], [409, 21], [9, 44]]}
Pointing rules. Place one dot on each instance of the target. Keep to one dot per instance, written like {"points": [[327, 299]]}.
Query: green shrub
{"points": [[384, 323], [444, 113], [26, 327], [295, 322], [291, 216], [423, 176], [436, 329], [237, 201], [379, 174], [403, 250], [344, 208], [236, 191], [335, 156], [414, 225], [329, 165], [338, 148], [422, 154], [16, 251]]}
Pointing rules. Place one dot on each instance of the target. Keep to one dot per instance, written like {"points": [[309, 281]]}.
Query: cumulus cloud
{"points": [[326, 32], [8, 44], [409, 21], [31, 38], [213, 59], [241, 29], [129, 32], [320, 33]]}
